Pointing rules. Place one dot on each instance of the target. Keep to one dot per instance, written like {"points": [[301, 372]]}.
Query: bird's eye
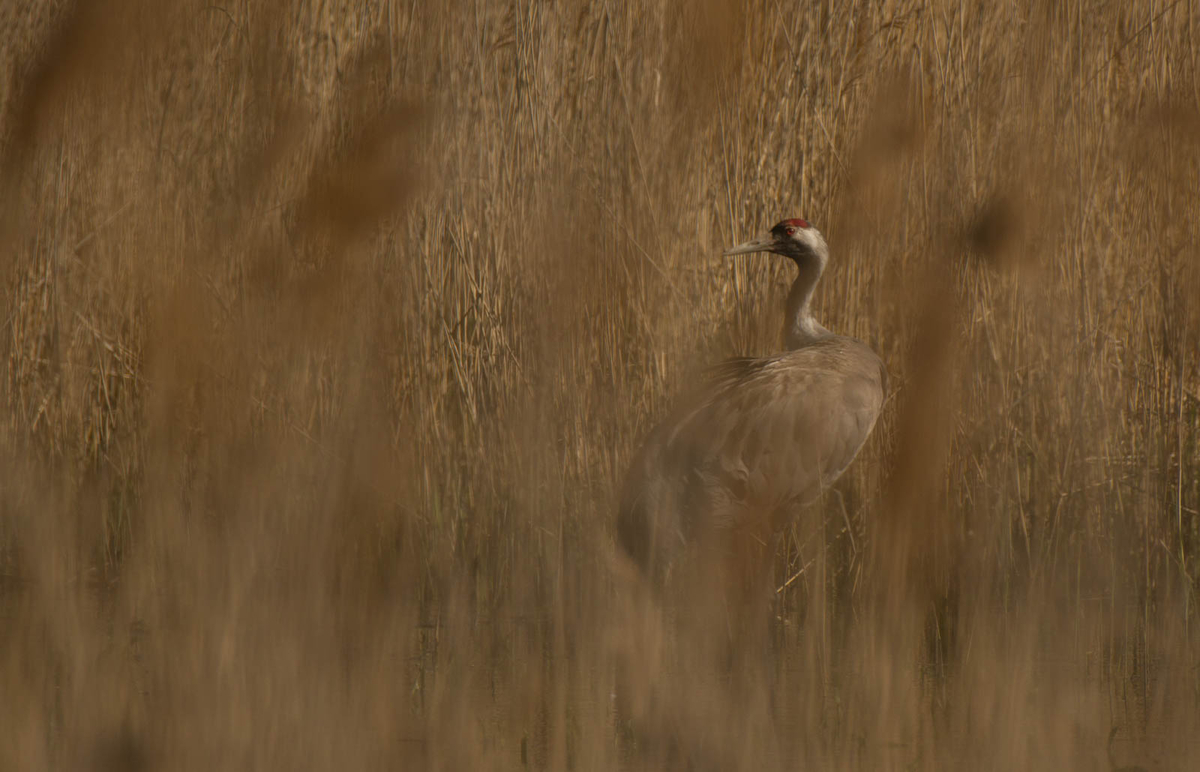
{"points": [[789, 231]]}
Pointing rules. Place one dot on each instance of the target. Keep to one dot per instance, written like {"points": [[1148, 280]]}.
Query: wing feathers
{"points": [[799, 418], [765, 435]]}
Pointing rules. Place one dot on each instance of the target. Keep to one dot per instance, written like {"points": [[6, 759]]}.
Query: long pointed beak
{"points": [[761, 243]]}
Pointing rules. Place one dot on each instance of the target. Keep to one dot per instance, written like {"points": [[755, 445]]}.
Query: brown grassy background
{"points": [[330, 327]]}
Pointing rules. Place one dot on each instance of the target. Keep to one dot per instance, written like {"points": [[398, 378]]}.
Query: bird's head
{"points": [[795, 238]]}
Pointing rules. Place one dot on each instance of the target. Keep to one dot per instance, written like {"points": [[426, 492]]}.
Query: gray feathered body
{"points": [[767, 436]]}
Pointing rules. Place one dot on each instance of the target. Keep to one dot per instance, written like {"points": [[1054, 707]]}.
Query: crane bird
{"points": [[733, 464]]}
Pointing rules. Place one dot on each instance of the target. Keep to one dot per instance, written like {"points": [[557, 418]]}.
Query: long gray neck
{"points": [[800, 328]]}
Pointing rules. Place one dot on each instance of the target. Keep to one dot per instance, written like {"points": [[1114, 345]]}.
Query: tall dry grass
{"points": [[329, 329]]}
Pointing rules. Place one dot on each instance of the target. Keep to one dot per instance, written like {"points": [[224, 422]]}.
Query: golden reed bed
{"points": [[330, 329]]}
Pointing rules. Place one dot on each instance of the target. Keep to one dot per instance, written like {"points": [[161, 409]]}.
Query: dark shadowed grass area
{"points": [[330, 328]]}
